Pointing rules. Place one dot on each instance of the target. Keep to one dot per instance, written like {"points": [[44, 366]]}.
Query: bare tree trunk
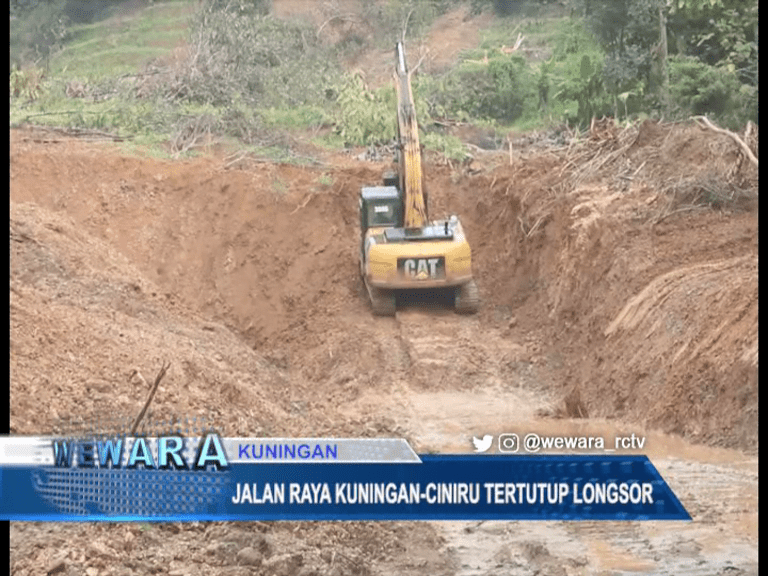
{"points": [[663, 53]]}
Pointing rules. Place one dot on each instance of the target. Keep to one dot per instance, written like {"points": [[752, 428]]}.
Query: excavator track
{"points": [[383, 302], [467, 298]]}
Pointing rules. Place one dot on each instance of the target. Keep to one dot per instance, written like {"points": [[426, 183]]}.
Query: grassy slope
{"points": [[124, 42], [99, 54]]}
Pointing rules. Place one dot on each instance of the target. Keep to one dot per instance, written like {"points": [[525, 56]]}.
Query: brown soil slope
{"points": [[642, 300], [618, 275]]}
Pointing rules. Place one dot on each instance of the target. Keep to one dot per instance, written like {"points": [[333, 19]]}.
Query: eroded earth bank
{"points": [[619, 284]]}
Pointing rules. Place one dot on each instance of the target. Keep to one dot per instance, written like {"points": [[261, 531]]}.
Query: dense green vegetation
{"points": [[175, 72]]}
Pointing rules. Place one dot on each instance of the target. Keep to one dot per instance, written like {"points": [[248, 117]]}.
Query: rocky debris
{"points": [[57, 566], [249, 556], [282, 565]]}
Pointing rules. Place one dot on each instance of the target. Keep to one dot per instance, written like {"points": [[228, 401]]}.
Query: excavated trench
{"points": [[602, 315]]}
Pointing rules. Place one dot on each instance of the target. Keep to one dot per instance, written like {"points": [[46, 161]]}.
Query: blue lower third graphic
{"points": [[450, 487]]}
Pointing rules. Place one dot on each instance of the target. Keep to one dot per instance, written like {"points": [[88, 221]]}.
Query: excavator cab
{"points": [[380, 206]]}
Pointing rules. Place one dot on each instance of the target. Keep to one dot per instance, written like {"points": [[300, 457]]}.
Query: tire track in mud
{"points": [[463, 377], [457, 383]]}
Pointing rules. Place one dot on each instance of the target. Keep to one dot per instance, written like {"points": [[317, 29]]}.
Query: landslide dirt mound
{"points": [[83, 319], [618, 277], [90, 329], [236, 548], [633, 254], [624, 267]]}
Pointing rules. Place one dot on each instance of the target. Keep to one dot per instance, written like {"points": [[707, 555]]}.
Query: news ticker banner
{"points": [[208, 478]]}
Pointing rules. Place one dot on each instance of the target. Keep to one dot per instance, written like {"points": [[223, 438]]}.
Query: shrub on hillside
{"points": [[585, 85], [366, 117], [248, 54], [501, 90], [36, 31], [701, 89]]}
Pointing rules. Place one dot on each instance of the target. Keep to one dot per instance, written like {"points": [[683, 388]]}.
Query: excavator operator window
{"points": [[381, 215]]}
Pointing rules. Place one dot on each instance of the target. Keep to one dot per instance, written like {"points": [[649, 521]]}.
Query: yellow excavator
{"points": [[401, 250]]}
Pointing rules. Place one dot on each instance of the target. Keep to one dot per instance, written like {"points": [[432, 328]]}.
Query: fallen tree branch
{"points": [[159, 377], [734, 136], [405, 25], [237, 158], [535, 226], [71, 132], [660, 218], [421, 59], [303, 204], [59, 113], [344, 17]]}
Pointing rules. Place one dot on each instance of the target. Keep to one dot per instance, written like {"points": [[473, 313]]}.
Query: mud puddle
{"points": [[718, 487]]}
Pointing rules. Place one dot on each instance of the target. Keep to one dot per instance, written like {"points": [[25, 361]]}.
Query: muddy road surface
{"points": [[618, 299]]}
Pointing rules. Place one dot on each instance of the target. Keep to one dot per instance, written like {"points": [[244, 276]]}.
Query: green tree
{"points": [[629, 32], [719, 32], [366, 117], [722, 34], [587, 89]]}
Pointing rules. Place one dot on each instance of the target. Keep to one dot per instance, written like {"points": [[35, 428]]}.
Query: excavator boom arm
{"points": [[415, 210]]}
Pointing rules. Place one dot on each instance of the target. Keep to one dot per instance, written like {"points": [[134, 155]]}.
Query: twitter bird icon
{"points": [[484, 444]]}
